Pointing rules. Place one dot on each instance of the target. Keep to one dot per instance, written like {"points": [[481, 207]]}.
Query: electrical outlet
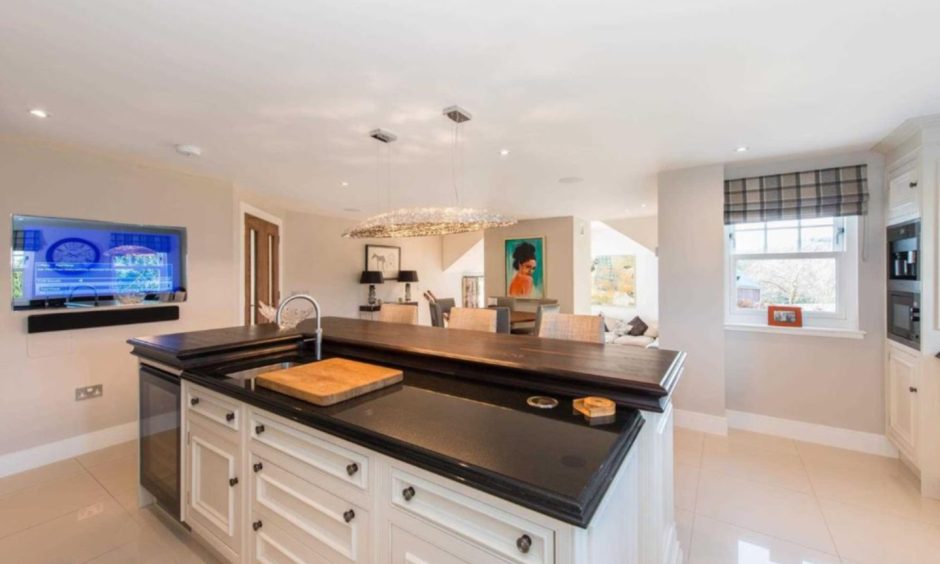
{"points": [[88, 392]]}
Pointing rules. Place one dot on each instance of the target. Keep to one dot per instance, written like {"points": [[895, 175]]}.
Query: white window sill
{"points": [[802, 331]]}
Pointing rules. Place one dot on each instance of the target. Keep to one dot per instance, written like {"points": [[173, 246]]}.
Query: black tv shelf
{"points": [[44, 323]]}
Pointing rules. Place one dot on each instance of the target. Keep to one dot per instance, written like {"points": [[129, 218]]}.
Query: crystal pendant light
{"points": [[426, 221]]}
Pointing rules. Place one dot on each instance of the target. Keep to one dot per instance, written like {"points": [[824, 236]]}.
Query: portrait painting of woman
{"points": [[525, 268]]}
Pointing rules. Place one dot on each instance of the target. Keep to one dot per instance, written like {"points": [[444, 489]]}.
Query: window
{"points": [[810, 263]]}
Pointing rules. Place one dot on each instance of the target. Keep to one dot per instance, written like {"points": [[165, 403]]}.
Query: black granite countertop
{"points": [[485, 436]]}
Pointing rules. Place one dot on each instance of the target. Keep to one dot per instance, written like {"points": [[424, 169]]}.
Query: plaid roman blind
{"points": [[830, 192]]}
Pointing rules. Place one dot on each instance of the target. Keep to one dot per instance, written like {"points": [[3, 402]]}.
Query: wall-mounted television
{"points": [[75, 263]]}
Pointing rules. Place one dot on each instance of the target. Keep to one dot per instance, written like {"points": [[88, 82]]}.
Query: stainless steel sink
{"points": [[253, 372]]}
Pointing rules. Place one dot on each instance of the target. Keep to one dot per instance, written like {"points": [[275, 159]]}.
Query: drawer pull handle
{"points": [[258, 466], [256, 525], [351, 469], [233, 482], [259, 429], [349, 515], [194, 401], [230, 416], [524, 543], [408, 493], [912, 389]]}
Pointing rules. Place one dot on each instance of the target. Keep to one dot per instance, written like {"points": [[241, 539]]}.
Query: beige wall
{"points": [[40, 372], [643, 230], [567, 257], [691, 283], [829, 381], [320, 262]]}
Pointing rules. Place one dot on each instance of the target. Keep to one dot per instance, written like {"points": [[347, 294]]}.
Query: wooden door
{"points": [[262, 266]]}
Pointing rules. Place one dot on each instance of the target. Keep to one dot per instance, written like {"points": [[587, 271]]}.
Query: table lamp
{"points": [[371, 277], [408, 276]]}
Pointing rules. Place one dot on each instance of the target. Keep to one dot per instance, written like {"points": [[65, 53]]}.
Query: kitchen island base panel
{"points": [[399, 513]]}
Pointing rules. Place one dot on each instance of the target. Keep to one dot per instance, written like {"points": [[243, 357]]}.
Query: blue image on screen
{"points": [[73, 260]]}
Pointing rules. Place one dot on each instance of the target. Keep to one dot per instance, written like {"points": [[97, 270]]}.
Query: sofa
{"points": [[617, 332]]}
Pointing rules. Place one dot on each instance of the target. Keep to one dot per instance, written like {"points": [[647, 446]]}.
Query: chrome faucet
{"points": [[316, 307], [74, 288]]}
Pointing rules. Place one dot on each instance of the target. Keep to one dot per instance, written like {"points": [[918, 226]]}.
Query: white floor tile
{"points": [[714, 542], [872, 537]]}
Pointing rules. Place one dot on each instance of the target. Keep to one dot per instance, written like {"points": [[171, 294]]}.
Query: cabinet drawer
{"points": [[213, 407], [510, 536], [271, 544], [408, 548], [319, 454], [314, 517]]}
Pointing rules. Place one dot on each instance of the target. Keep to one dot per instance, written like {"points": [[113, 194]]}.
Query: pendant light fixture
{"points": [[427, 221]]}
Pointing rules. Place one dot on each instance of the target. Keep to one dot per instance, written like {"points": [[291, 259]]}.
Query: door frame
{"points": [[244, 209]]}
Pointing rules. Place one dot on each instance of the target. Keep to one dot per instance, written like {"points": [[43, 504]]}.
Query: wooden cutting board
{"points": [[330, 381]]}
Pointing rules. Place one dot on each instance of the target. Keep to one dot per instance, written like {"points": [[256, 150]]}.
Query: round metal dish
{"points": [[542, 402]]}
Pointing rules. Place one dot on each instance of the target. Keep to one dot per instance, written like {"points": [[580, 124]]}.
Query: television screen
{"points": [[76, 263]]}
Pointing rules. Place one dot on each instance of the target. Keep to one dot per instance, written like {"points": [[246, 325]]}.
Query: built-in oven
{"points": [[903, 246], [160, 435], [904, 318]]}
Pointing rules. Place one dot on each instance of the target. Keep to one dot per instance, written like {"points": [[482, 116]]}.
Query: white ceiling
{"points": [[280, 94]]}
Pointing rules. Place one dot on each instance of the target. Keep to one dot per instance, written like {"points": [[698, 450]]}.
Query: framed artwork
{"points": [[386, 260], [613, 280], [785, 316], [525, 267], [472, 290]]}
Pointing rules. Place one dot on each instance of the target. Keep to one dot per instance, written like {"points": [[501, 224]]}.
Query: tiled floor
{"points": [[749, 498], [84, 510], [741, 499]]}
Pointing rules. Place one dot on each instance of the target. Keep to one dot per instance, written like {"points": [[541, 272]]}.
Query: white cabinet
{"points": [[213, 488], [903, 404], [903, 198], [262, 488]]}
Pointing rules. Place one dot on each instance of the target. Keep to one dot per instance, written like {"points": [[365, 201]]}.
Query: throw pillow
{"points": [[639, 328]]}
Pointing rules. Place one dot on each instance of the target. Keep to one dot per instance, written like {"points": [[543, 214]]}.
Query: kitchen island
{"points": [[451, 465]]}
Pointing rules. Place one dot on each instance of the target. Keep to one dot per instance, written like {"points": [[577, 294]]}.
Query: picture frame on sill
{"points": [[784, 316], [385, 259]]}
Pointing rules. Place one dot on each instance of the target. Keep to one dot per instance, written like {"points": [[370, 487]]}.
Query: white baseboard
{"points": [[871, 443], [704, 422], [41, 455]]}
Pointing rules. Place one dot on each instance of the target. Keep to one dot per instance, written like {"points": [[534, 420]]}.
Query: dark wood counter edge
{"points": [[575, 511], [659, 389]]}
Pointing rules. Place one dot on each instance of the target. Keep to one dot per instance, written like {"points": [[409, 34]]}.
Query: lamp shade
{"points": [[407, 275], [371, 277]]}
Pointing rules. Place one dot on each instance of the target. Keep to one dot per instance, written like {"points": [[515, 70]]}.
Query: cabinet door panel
{"points": [[902, 401], [903, 198], [213, 490]]}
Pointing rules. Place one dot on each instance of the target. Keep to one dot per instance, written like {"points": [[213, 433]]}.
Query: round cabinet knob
{"points": [[233, 482], [230, 416], [258, 466], [349, 515], [256, 525], [259, 429], [524, 543], [912, 389], [194, 401], [351, 469], [408, 493]]}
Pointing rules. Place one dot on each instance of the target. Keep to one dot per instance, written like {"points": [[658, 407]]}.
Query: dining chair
{"points": [[544, 309], [587, 328], [440, 310], [473, 319], [506, 302], [399, 313], [503, 319]]}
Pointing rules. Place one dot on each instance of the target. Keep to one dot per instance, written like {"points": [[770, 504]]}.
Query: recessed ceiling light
{"points": [[642, 205], [189, 150], [570, 180], [741, 149], [39, 112], [504, 152], [344, 183]]}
